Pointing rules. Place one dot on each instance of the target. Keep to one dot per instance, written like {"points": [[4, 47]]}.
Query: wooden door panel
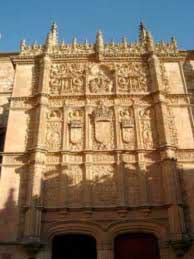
{"points": [[136, 246]]}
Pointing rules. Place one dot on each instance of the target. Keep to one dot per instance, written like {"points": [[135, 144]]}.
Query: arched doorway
{"points": [[74, 246], [136, 246]]}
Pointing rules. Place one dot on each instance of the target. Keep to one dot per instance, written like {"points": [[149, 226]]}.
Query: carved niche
{"points": [[76, 118], [127, 127], [102, 127], [132, 77], [145, 116], [100, 79], [54, 127], [67, 78]]}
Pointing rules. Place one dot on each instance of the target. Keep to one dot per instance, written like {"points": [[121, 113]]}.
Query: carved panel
{"points": [[67, 79], [74, 184], [54, 130], [132, 77], [76, 129], [147, 127], [51, 185], [102, 128], [103, 182], [103, 158], [132, 184], [6, 77], [126, 118], [100, 79], [164, 77], [187, 155], [172, 126]]}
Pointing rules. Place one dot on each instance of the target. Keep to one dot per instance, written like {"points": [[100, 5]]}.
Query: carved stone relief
{"points": [[127, 127], [92, 78], [132, 184], [51, 185], [74, 185], [132, 77], [145, 116], [164, 77], [102, 127], [103, 183], [66, 79], [172, 126], [6, 77], [54, 128], [76, 129], [100, 79]]}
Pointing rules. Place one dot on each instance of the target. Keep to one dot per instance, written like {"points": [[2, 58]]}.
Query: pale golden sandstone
{"points": [[99, 142]]}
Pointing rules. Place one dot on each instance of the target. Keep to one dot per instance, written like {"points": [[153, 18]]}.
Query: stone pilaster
{"points": [[140, 158], [105, 250], [37, 158], [167, 148]]}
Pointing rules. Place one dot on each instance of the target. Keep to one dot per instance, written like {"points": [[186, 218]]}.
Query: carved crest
{"points": [[127, 125], [76, 125], [102, 118]]}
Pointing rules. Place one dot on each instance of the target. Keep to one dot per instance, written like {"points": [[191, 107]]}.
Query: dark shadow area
{"points": [[8, 218], [68, 188], [109, 186], [74, 246], [136, 246]]}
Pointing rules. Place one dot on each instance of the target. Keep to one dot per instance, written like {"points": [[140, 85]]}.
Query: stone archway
{"points": [[136, 246], [74, 246]]}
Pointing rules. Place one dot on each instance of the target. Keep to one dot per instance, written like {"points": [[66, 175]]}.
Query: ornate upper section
{"points": [[144, 45]]}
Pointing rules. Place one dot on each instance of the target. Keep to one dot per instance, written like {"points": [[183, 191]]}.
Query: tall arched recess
{"points": [[136, 246], [74, 246]]}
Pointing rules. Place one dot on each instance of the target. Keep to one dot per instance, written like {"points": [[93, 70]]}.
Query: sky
{"points": [[31, 20]]}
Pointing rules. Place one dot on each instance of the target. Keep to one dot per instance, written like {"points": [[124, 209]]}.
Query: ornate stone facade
{"points": [[99, 140]]}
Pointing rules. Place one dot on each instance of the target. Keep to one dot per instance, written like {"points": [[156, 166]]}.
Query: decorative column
{"points": [[37, 164], [105, 250], [167, 148], [164, 250]]}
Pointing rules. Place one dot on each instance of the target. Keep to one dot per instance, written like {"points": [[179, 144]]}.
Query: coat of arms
{"points": [[102, 120], [127, 126], [75, 124]]}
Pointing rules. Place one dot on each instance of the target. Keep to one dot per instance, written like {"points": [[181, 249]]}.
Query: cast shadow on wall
{"points": [[62, 190]]}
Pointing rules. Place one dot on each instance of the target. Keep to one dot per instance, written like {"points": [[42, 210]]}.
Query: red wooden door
{"points": [[136, 246]]}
